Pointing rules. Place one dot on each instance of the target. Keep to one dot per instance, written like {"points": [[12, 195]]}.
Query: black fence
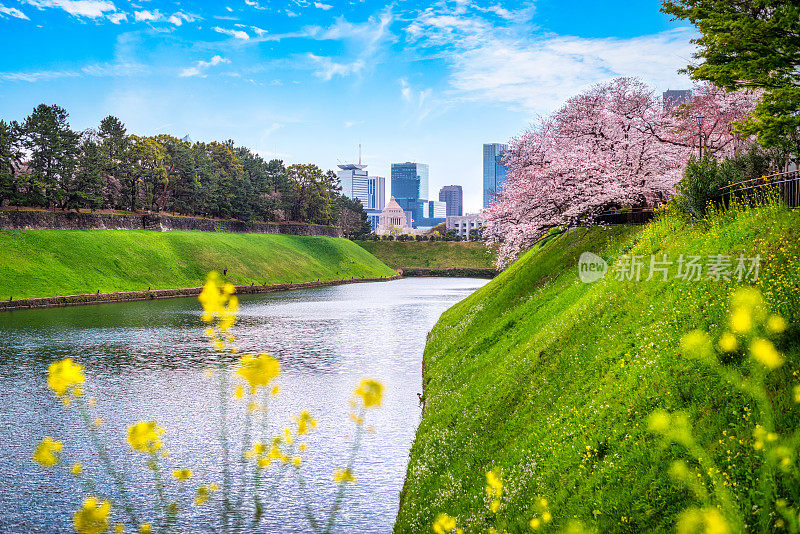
{"points": [[785, 185], [632, 216]]}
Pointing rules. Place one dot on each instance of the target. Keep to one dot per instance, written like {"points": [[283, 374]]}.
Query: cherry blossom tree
{"points": [[615, 145]]}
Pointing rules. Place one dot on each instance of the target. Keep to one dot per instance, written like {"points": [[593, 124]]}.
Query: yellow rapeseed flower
{"points": [[343, 475], [776, 324], [182, 474], [494, 489], [304, 422], [119, 528], [92, 518], [371, 392], [275, 390], [659, 421], [64, 377], [444, 524], [764, 351], [797, 394], [741, 321], [258, 370], [45, 452], [202, 494], [77, 469], [145, 436], [145, 528], [696, 344], [728, 342], [297, 461]]}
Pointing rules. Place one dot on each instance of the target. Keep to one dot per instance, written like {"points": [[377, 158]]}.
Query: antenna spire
{"points": [[359, 153]]}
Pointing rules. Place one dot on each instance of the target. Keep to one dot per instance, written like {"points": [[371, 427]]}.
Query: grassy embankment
{"points": [[552, 381], [432, 254], [39, 263]]}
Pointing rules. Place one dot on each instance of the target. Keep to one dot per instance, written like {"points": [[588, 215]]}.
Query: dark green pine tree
{"points": [[52, 147], [9, 161], [85, 188]]}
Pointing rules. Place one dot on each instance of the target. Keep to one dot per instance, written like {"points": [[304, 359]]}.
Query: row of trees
{"points": [[617, 145], [44, 163]]}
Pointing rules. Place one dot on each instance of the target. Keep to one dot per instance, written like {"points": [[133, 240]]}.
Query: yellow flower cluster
{"points": [[708, 520], [543, 514], [258, 370], [203, 493], [219, 302], [494, 489], [444, 524], [92, 518], [304, 422], [145, 436], [182, 474], [65, 377], [371, 392], [45, 452], [343, 475]]}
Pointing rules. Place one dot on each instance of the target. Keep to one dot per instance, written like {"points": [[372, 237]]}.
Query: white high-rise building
{"points": [[370, 190]]}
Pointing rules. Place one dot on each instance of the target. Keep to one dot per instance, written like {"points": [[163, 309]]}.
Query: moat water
{"points": [[147, 360]]}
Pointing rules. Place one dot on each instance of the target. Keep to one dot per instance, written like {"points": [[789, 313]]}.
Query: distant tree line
{"points": [[44, 163]]}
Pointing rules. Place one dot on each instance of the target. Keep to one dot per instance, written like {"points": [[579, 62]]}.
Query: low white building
{"points": [[393, 217], [464, 224]]}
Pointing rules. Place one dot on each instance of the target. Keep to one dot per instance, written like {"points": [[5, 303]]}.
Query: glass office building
{"points": [[410, 189], [453, 196], [494, 172]]}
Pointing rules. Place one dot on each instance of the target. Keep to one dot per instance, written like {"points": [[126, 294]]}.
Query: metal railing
{"points": [[630, 216], [786, 185]]}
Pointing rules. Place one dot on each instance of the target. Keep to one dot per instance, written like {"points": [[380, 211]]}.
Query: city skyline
{"points": [[306, 82]]}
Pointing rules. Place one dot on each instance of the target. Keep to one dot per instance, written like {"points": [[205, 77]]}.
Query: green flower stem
{"points": [[161, 502], [105, 458], [307, 505], [337, 503], [243, 483], [223, 439]]}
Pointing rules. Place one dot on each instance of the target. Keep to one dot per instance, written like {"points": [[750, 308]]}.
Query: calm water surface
{"points": [[146, 360]]}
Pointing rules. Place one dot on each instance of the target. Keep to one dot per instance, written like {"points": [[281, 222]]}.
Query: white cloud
{"points": [[13, 12], [259, 31], [202, 66], [179, 18], [508, 64], [238, 34], [254, 5], [320, 5], [230, 10], [147, 16], [97, 70], [419, 103], [116, 18], [79, 8], [326, 68]]}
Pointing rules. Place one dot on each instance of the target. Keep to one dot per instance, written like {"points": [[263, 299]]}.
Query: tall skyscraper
{"points": [[453, 196], [494, 173], [410, 188], [370, 190]]}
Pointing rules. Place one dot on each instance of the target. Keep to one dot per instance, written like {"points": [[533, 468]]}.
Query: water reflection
{"points": [[145, 360]]}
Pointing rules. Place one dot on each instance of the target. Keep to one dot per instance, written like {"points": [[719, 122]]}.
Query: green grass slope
{"points": [[39, 263], [551, 381], [432, 254]]}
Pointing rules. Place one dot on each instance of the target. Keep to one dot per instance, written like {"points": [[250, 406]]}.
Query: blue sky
{"points": [[307, 81]]}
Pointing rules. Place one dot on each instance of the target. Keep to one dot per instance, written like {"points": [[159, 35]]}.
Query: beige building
{"points": [[464, 224], [393, 217]]}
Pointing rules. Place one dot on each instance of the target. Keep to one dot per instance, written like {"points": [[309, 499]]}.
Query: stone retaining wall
{"points": [[454, 273], [59, 220], [131, 296]]}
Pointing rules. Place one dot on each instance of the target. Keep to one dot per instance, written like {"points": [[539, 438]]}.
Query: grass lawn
{"points": [[551, 382], [39, 263]]}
